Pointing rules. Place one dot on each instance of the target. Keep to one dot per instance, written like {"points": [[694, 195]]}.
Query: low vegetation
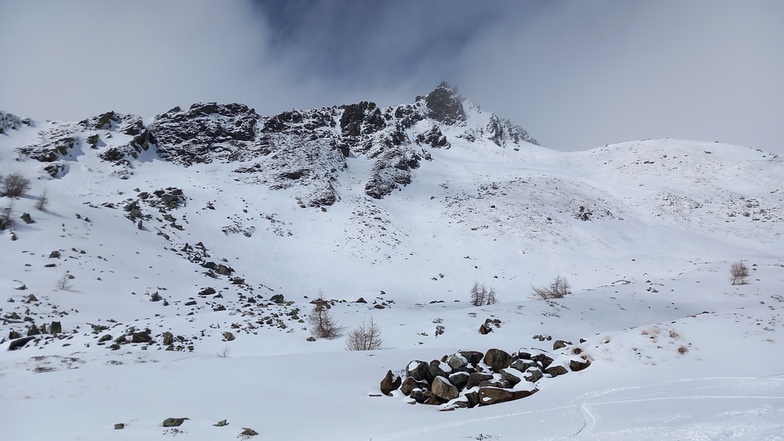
{"points": [[480, 295], [557, 289], [366, 337], [15, 185], [739, 272]]}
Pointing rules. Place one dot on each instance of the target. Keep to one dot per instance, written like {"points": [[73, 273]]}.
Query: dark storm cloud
{"points": [[575, 74]]}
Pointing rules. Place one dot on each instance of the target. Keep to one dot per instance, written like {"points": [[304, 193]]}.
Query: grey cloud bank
{"points": [[576, 75]]}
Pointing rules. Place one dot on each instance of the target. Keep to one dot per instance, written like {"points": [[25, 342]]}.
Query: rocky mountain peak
{"points": [[445, 104], [302, 150]]}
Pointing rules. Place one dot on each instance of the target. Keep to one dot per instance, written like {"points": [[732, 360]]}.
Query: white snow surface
{"points": [[678, 351]]}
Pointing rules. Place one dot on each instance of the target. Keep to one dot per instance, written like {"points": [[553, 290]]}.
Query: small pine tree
{"points": [[322, 323], [491, 298], [478, 294]]}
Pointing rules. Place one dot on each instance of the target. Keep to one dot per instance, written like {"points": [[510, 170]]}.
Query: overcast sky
{"points": [[575, 74]]}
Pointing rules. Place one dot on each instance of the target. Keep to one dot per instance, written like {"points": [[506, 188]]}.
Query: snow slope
{"points": [[644, 231]]}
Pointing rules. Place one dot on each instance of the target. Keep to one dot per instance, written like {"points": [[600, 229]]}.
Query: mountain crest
{"points": [[445, 104], [303, 150]]}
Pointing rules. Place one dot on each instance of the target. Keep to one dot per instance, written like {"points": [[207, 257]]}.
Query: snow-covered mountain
{"points": [[212, 229]]}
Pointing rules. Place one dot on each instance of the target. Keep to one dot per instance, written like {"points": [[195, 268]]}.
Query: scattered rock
{"points": [[173, 422], [533, 375], [497, 359], [409, 385], [390, 383], [119, 426], [578, 365], [443, 389], [247, 432], [417, 370], [556, 370], [494, 395], [141, 337], [19, 343]]}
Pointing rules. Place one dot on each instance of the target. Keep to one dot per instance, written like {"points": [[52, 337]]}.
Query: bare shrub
{"points": [[558, 288], [480, 295], [6, 217], [739, 272], [43, 202], [322, 323], [15, 185], [366, 337], [64, 282]]}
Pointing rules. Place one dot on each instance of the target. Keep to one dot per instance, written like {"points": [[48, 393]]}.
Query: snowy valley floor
{"points": [[696, 359]]}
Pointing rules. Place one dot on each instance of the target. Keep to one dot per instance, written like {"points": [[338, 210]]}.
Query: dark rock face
{"points": [[203, 132], [362, 118], [303, 150], [445, 105]]}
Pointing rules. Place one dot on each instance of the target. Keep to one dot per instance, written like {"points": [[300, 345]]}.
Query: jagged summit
{"points": [[445, 105], [301, 149]]}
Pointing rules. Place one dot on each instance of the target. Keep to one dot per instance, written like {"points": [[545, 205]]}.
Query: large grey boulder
{"points": [[456, 361], [443, 389]]}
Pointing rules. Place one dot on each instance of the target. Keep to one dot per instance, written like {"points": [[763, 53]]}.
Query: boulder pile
{"points": [[471, 378]]}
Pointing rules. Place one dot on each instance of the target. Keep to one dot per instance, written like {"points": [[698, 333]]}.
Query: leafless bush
{"points": [[64, 282], [739, 272], [43, 202], [558, 289], [366, 337], [480, 295], [6, 217], [322, 323], [15, 185], [224, 353]]}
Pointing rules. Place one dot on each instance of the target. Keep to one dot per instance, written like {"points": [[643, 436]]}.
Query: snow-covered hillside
{"points": [[166, 245]]}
